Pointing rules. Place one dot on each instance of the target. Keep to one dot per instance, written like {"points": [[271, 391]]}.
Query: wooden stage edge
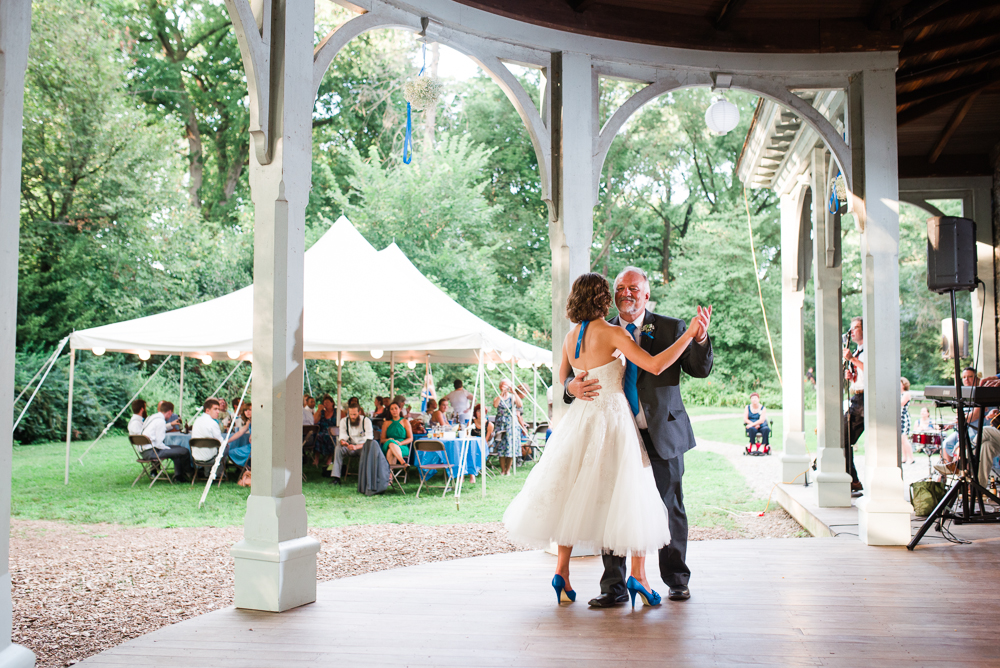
{"points": [[779, 602]]}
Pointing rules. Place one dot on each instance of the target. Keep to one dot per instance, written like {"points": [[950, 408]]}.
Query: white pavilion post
{"points": [[276, 560], [571, 227], [883, 513], [794, 459], [69, 411], [833, 483], [15, 31]]}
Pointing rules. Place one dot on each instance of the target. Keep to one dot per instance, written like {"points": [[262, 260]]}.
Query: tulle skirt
{"points": [[590, 487]]}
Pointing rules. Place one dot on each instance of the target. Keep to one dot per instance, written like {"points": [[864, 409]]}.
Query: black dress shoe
{"points": [[335, 481], [608, 600], [679, 593]]}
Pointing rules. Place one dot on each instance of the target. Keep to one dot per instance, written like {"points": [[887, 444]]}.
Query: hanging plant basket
{"points": [[422, 92]]}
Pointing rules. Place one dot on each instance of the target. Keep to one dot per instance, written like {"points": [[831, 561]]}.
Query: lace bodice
{"points": [[610, 379]]}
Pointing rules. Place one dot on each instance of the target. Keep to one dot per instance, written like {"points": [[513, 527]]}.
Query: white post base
{"points": [[275, 575], [16, 656], [833, 490], [883, 515], [795, 461]]}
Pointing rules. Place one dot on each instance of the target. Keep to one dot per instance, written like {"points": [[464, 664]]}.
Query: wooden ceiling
{"points": [[947, 85]]}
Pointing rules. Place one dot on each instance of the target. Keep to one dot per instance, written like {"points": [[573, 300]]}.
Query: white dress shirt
{"points": [[206, 427], [640, 418], [135, 425], [356, 435], [308, 419], [155, 429], [858, 384], [460, 401]]}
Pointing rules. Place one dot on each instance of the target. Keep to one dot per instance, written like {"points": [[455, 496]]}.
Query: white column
{"points": [[574, 129], [883, 513], [794, 459], [986, 343], [276, 560], [833, 483], [15, 30]]}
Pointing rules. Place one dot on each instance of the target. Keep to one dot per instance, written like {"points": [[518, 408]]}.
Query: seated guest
{"points": [[406, 411], [207, 425], [755, 419], [949, 449], [924, 421], [238, 447], [477, 424], [396, 436], [155, 429], [226, 416], [437, 415], [138, 417], [326, 417], [308, 414], [355, 432], [380, 411], [173, 420]]}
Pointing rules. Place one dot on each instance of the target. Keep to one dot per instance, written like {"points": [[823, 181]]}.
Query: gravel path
{"points": [[80, 589]]}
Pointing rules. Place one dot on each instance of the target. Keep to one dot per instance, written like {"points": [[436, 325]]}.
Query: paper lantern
{"points": [[206, 359], [144, 355], [233, 354], [377, 354], [98, 351], [411, 365], [722, 116]]}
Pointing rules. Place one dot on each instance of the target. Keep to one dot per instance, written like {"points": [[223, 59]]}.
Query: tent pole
{"points": [[534, 396], [305, 366], [69, 410], [513, 406], [340, 368], [483, 416], [392, 376], [180, 399]]}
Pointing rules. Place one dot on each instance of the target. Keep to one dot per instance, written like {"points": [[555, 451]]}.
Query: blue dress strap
{"points": [[579, 340]]}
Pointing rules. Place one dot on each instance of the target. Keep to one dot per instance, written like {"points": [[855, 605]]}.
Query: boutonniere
{"points": [[647, 330]]}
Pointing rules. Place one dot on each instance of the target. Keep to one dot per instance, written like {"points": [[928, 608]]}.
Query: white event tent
{"points": [[341, 322]]}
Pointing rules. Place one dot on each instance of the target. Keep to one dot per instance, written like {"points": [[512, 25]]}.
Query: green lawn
{"points": [[99, 491], [732, 431]]}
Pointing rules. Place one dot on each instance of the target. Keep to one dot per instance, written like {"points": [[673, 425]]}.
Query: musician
{"points": [[991, 447], [949, 455], [854, 419]]}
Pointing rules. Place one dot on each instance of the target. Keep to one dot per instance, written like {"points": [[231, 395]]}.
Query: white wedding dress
{"points": [[590, 487]]}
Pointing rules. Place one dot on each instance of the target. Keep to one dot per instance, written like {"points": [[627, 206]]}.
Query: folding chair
{"points": [[309, 432], [396, 470], [203, 453], [155, 467], [428, 445], [492, 458]]}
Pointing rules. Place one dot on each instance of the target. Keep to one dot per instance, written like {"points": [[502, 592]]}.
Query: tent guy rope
{"points": [[51, 363]]}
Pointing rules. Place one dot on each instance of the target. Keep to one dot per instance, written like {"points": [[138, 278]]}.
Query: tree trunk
{"points": [[196, 159], [665, 264], [430, 114]]}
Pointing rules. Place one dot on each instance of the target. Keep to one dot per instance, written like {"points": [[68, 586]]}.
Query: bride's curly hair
{"points": [[589, 299]]}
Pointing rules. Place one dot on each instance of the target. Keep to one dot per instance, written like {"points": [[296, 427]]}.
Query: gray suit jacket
{"points": [[660, 396]]}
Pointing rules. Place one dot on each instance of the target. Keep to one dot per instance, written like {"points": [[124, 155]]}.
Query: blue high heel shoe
{"points": [[563, 595], [648, 597]]}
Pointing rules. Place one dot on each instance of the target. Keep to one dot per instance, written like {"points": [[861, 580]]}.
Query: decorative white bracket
{"points": [[253, 32]]}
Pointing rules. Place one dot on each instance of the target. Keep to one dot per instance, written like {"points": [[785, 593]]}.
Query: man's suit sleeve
{"points": [[567, 397], [698, 358]]}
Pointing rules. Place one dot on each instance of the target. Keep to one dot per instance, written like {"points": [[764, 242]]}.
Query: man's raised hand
{"points": [[581, 388]]}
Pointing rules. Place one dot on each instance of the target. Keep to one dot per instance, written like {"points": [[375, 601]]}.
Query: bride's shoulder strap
{"points": [[579, 339]]}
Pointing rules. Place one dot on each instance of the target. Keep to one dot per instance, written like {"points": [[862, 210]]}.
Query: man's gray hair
{"points": [[621, 274]]}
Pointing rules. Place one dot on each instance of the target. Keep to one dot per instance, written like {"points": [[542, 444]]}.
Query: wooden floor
{"points": [[808, 602]]}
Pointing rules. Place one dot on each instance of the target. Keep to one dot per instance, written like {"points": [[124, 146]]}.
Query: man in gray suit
{"points": [[663, 423]]}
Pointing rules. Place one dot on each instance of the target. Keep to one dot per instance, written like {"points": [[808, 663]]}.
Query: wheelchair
{"points": [[757, 448]]}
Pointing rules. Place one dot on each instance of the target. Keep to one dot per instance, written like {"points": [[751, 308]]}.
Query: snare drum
{"points": [[928, 442]]}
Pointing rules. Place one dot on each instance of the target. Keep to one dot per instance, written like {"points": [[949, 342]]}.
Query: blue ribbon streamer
{"points": [[408, 139]]}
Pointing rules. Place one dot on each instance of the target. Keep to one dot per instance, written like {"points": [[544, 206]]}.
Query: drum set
{"points": [[929, 443]]}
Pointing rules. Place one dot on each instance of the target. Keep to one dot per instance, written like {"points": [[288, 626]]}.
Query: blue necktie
{"points": [[628, 384]]}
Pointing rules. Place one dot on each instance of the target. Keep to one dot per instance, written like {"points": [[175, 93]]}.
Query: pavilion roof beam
{"points": [[727, 13], [950, 68], [878, 11], [953, 123], [913, 11], [964, 37], [955, 10], [580, 5], [949, 90]]}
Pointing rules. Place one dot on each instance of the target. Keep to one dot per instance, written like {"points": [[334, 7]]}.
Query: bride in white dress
{"points": [[593, 486]]}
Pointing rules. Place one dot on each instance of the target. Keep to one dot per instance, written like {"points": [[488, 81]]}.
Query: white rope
{"points": [[46, 363], [52, 363], [215, 392], [760, 293], [115, 418], [222, 448]]}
